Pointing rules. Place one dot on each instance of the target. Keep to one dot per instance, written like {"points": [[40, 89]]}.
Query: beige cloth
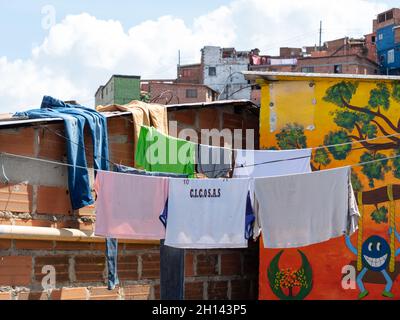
{"points": [[143, 114]]}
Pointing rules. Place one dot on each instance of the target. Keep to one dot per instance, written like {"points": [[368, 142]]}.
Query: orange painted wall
{"points": [[301, 101]]}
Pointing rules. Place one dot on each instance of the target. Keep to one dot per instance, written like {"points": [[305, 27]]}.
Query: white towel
{"points": [[305, 209]]}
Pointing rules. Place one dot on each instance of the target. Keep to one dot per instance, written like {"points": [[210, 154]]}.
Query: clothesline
{"points": [[311, 148], [246, 166], [256, 164]]}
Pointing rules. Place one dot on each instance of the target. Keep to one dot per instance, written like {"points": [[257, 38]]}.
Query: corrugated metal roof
{"points": [[288, 76], [242, 102], [18, 122]]}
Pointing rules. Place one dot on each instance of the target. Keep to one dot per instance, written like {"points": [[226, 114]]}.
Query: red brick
{"points": [[231, 264], [207, 265], [217, 290], [60, 263], [52, 146], [139, 246], [187, 117], [33, 245], [73, 245], [5, 244], [18, 141], [128, 267], [209, 119], [189, 265], [250, 263], [151, 266], [89, 268], [102, 293], [15, 198], [157, 292], [79, 293], [52, 200], [240, 290], [121, 151], [194, 291], [86, 226], [15, 270], [87, 211], [35, 223], [231, 121], [5, 295], [137, 292], [33, 296]]}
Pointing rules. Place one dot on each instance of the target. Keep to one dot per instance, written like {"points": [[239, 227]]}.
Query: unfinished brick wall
{"points": [[81, 271], [38, 196]]}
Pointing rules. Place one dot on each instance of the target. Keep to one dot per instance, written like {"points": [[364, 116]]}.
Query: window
{"points": [[307, 69], [212, 71], [390, 58], [389, 15], [337, 68], [373, 39], [380, 36], [186, 72], [381, 18], [397, 35], [191, 93]]}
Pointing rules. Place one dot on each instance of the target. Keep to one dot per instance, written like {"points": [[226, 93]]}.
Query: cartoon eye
{"points": [[370, 246], [378, 246]]}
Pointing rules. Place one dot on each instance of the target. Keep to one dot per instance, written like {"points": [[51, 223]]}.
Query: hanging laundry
{"points": [[96, 122], [128, 206], [161, 153], [305, 209], [112, 243], [143, 114], [213, 162], [75, 118], [207, 213], [270, 163]]}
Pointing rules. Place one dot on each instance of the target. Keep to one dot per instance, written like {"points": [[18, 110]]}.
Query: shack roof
{"points": [[297, 76]]}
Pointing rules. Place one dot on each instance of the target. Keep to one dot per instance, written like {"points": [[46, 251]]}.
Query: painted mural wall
{"points": [[328, 111]]}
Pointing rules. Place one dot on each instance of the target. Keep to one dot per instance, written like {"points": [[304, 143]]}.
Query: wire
{"points": [[78, 144], [242, 166], [316, 148]]}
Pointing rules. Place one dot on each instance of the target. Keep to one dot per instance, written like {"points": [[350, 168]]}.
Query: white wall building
{"points": [[222, 69]]}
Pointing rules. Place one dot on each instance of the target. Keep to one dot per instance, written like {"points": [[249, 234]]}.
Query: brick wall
{"points": [[351, 64], [38, 196], [178, 91], [81, 272]]}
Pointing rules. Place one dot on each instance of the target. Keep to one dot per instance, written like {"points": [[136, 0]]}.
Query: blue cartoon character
{"points": [[375, 257]]}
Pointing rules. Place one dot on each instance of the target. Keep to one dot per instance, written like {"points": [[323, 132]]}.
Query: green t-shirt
{"points": [[157, 152]]}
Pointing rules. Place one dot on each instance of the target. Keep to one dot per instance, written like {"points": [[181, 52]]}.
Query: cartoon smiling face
{"points": [[375, 253]]}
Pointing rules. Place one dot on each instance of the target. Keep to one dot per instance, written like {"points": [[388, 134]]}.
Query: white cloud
{"points": [[81, 52]]}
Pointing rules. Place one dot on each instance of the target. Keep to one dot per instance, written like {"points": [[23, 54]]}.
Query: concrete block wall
{"points": [[37, 196]]}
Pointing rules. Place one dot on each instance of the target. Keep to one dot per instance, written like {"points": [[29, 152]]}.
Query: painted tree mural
{"points": [[356, 124]]}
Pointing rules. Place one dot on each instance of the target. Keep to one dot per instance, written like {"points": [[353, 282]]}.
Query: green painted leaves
{"points": [[338, 137], [375, 170], [379, 97], [340, 92], [292, 137]]}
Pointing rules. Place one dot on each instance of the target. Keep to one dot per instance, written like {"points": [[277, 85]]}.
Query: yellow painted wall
{"points": [[302, 102]]}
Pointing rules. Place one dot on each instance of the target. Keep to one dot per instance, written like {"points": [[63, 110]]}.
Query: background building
{"points": [[388, 41], [170, 92], [221, 70], [120, 89]]}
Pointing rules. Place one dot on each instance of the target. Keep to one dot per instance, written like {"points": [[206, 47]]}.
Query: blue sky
{"points": [[21, 19], [91, 40]]}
